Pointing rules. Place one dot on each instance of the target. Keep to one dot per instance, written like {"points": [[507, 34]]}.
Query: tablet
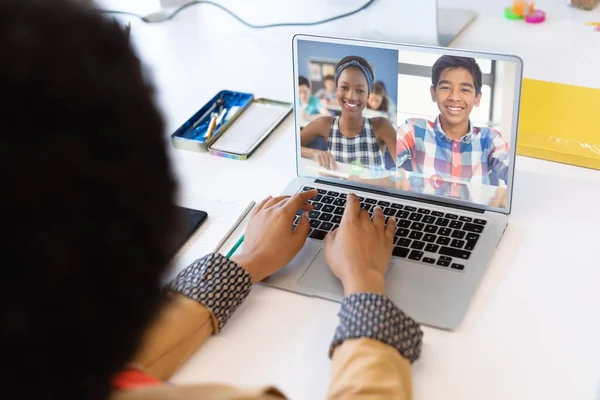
{"points": [[189, 221]]}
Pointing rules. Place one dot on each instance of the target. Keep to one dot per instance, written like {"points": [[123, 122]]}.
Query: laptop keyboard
{"points": [[425, 235]]}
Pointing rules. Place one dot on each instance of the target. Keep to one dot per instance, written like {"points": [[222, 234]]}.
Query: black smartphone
{"points": [[190, 221]]}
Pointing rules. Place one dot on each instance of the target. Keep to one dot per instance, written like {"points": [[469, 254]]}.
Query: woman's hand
{"points": [[325, 159], [360, 250], [270, 241]]}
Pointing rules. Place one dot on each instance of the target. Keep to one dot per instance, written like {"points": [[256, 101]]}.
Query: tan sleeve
{"points": [[195, 392], [369, 369], [180, 329]]}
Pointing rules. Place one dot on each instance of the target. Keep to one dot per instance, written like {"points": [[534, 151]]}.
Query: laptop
{"points": [[451, 197]]}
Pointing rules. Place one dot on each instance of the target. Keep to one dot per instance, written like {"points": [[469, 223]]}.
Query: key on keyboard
{"points": [[415, 235], [325, 217], [326, 226], [390, 212], [327, 199], [328, 208], [318, 234]]}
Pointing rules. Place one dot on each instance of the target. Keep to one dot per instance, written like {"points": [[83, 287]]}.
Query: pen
{"points": [[235, 225], [235, 247], [220, 118], [219, 103], [203, 116]]}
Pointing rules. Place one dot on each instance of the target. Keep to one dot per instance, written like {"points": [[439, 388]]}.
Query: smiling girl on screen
{"points": [[351, 138]]}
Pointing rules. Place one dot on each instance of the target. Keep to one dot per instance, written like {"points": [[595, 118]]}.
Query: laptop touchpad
{"points": [[319, 277]]}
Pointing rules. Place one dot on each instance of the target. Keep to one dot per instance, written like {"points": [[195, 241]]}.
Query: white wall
{"points": [[504, 102]]}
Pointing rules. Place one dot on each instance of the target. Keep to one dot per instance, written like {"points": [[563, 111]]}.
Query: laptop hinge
{"points": [[399, 196]]}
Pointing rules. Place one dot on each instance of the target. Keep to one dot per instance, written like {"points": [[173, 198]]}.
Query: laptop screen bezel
{"points": [[422, 48]]}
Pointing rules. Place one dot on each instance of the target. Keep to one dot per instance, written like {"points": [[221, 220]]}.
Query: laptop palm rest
{"points": [[431, 296], [319, 279]]}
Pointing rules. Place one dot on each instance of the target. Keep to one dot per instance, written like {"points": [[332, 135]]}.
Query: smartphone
{"points": [[190, 220]]}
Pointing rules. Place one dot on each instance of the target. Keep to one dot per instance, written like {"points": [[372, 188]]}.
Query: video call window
{"points": [[420, 121], [414, 76]]}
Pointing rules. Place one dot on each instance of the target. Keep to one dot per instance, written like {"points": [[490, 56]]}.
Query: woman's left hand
{"points": [[270, 240]]}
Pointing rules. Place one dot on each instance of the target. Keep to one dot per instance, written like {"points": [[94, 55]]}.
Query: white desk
{"points": [[532, 330]]}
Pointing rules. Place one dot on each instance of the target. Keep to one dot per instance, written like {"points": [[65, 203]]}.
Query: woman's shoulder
{"points": [[321, 124], [325, 120]]}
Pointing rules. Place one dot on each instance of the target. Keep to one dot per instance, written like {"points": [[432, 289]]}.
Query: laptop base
{"points": [[433, 295]]}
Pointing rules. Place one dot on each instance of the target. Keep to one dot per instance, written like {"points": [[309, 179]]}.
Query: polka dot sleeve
{"points": [[218, 283], [371, 315]]}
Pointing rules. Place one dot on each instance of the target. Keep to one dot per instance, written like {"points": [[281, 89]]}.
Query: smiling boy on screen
{"points": [[451, 147]]}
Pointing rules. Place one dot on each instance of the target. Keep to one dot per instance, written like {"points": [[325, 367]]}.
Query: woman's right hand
{"points": [[360, 250], [271, 241], [325, 159]]}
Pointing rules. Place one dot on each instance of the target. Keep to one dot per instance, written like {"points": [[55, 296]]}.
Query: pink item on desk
{"points": [[536, 17]]}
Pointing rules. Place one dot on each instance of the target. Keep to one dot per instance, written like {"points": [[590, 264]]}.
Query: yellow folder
{"points": [[560, 123]]}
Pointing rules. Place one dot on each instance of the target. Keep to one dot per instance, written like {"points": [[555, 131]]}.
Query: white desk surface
{"points": [[532, 330]]}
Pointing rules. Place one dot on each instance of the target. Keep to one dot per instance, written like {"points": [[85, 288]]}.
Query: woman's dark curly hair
{"points": [[87, 200]]}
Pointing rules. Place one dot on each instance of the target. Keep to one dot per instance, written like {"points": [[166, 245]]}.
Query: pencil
{"points": [[235, 247], [211, 127], [237, 223]]}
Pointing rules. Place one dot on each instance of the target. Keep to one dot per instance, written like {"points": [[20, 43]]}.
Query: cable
{"points": [[212, 3]]}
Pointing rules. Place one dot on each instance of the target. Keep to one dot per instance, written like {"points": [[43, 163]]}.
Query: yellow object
{"points": [[211, 126], [522, 7], [560, 123]]}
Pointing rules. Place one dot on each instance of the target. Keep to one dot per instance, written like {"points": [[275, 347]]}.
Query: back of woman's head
{"points": [[87, 196]]}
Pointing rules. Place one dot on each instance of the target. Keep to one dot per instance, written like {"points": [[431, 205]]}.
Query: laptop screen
{"points": [[427, 122]]}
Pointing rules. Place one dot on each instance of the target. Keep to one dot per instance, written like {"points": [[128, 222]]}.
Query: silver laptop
{"points": [[447, 175]]}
